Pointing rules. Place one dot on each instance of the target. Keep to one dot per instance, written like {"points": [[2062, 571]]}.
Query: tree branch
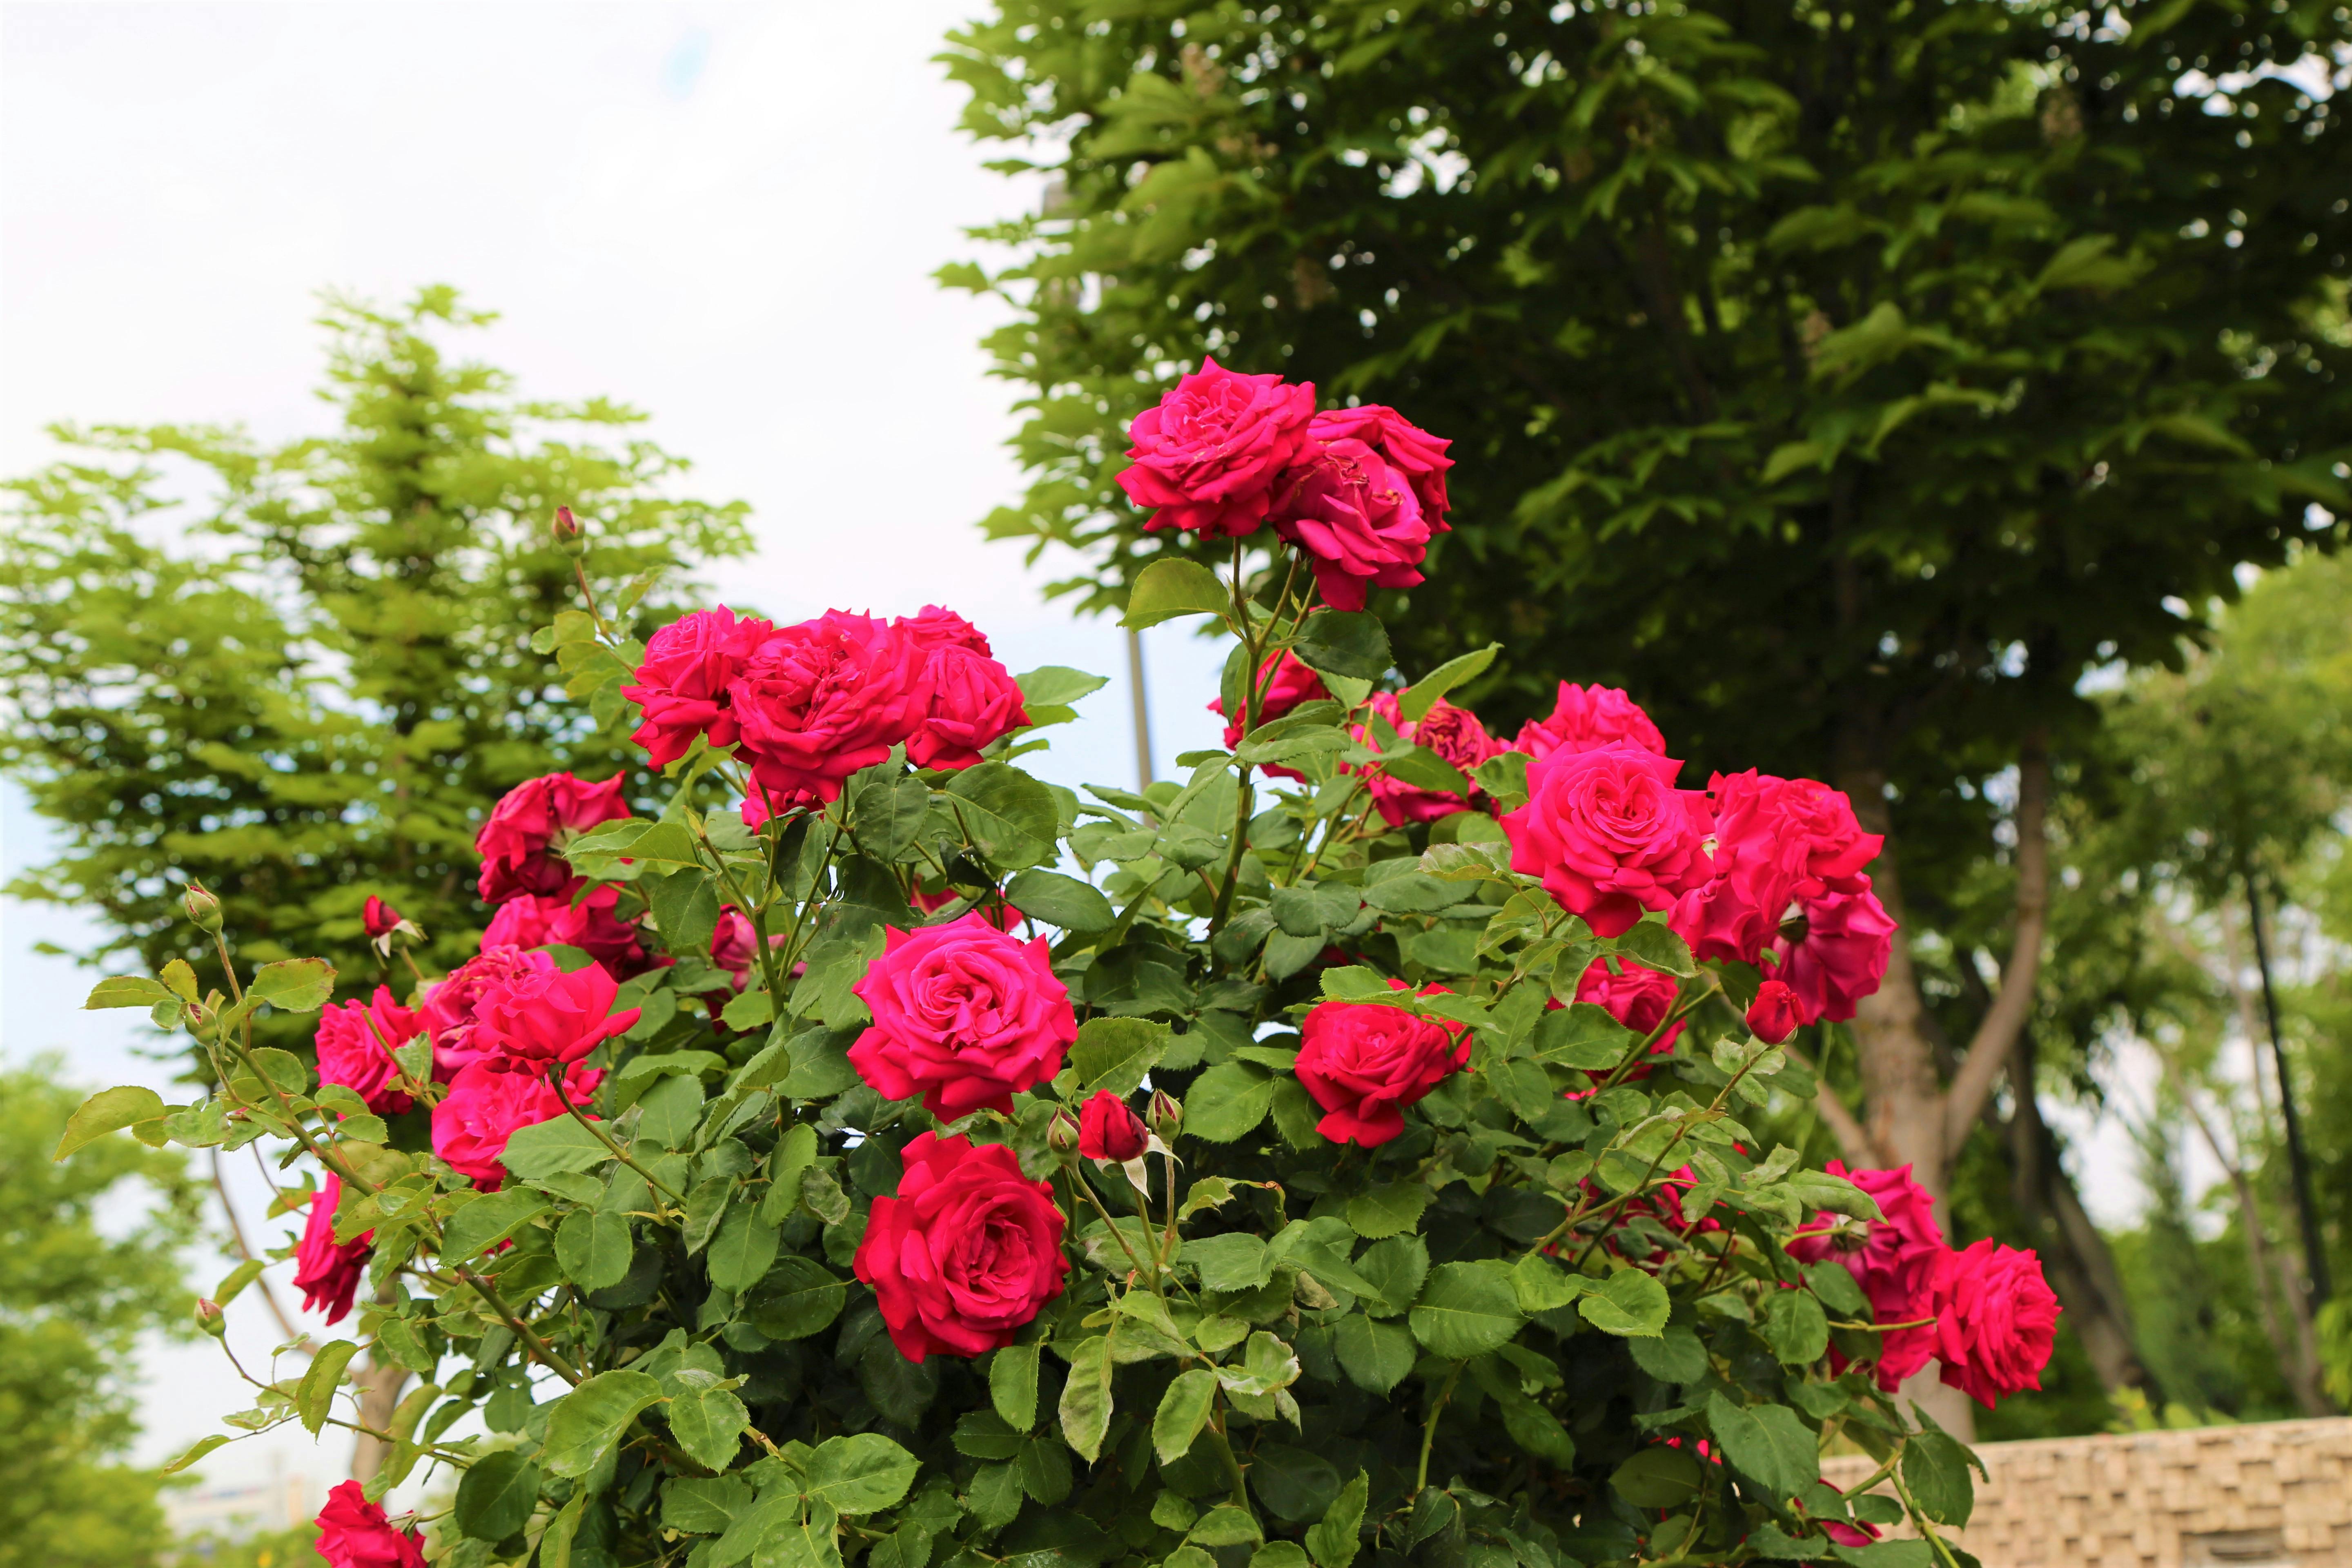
{"points": [[1990, 1047]]}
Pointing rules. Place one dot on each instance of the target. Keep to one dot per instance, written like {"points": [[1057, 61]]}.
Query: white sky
{"points": [[725, 215]]}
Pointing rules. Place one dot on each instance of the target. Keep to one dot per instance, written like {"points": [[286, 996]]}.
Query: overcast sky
{"points": [[725, 215]]}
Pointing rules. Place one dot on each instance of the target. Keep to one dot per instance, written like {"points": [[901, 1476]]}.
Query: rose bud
{"points": [[381, 918], [1166, 1115], [1062, 1137], [1774, 1015], [210, 1318], [1107, 1129], [566, 532], [202, 909]]}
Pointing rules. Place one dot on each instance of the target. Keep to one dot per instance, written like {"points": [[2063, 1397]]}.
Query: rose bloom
{"points": [[1358, 519], [521, 843], [1995, 1320], [448, 1010], [1586, 718], [1772, 1018], [328, 1271], [487, 1100], [824, 698], [355, 1042], [1364, 1062], [683, 679], [356, 1533], [1208, 457], [1841, 958], [1892, 1259], [1640, 997], [1288, 684], [543, 1016], [735, 946], [964, 1016], [587, 923], [1608, 834], [972, 702], [1107, 1129], [1453, 733], [1411, 450], [966, 1254], [939, 628], [1775, 841]]}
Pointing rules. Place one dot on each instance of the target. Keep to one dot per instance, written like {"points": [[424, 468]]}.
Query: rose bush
{"points": [[772, 1189]]}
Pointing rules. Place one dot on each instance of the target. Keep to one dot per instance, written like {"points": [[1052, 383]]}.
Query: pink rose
{"points": [[355, 1042], [682, 683], [1996, 1320], [1775, 841], [356, 1533], [521, 844], [543, 1016], [1411, 450], [328, 1271], [938, 627], [824, 698], [1453, 733], [1107, 1129], [1208, 456], [963, 1015], [1773, 1016], [1639, 997], [1365, 1062], [735, 946], [489, 1099], [1608, 834], [1892, 1259], [587, 924], [1358, 519], [448, 1010], [971, 701], [1289, 684], [968, 1252], [1586, 718], [1839, 958]]}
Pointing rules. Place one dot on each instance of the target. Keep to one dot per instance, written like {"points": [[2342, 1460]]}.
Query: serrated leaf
{"points": [[1768, 1442], [1173, 586], [1086, 1398], [553, 1148], [109, 1110], [1115, 1054], [861, 1474], [1388, 1210], [1466, 1310], [194, 1452], [1351, 643], [314, 1396], [1795, 1327], [593, 1248], [583, 1424], [295, 984], [1415, 701], [1334, 1540], [126, 991], [745, 1246], [1054, 899], [496, 1496], [1013, 1386], [708, 1425], [1183, 1413], [1935, 1469], [1227, 1101], [1628, 1302]]}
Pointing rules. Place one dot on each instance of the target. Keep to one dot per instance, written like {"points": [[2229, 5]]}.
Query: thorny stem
{"points": [[539, 1348], [555, 1082], [1429, 1429], [757, 917]]}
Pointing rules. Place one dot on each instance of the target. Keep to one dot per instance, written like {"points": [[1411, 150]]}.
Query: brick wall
{"points": [[2275, 1495]]}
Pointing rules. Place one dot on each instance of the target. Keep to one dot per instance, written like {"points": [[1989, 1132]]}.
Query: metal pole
{"points": [[1142, 708], [2298, 1164]]}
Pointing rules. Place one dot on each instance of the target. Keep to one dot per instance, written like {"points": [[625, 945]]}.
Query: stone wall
{"points": [[2275, 1495]]}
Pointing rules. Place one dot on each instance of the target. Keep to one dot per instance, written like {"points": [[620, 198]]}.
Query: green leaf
{"points": [[1768, 1442], [1542, 1285], [126, 991], [1086, 1398], [1010, 818], [671, 1110], [1013, 1386], [1234, 1261], [1344, 642], [1466, 1310], [1675, 1356], [1057, 685], [295, 984], [593, 1248], [1172, 586], [1658, 1478], [553, 1148], [1227, 1524], [197, 1451], [1795, 1326], [314, 1396], [555, 1541], [1628, 1302], [1388, 1210], [1335, 1540], [794, 1152], [1227, 1101], [797, 1299], [233, 1285], [109, 1110], [805, 1541], [1538, 1431], [1424, 769], [1659, 948], [861, 1474], [740, 1253], [708, 1425], [1116, 1053], [1415, 701], [704, 1505], [1582, 1036], [586, 1423], [1375, 1356], [1837, 1289], [1183, 1413], [1054, 899], [497, 1497], [1936, 1469], [487, 1221]]}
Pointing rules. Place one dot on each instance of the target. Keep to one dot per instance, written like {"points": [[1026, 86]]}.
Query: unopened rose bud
{"points": [[381, 919], [566, 532], [202, 909], [210, 1318], [1166, 1116], [1107, 1129], [1062, 1136], [1775, 1014]]}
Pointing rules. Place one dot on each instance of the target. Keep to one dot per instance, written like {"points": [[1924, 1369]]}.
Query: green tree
{"points": [[74, 1298], [1842, 379], [294, 671]]}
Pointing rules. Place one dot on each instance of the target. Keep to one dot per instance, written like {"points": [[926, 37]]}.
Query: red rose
{"points": [[1209, 455], [1003, 916], [938, 627], [328, 1271], [1842, 956], [1107, 1129], [1411, 450], [1608, 834], [971, 701], [380, 918], [1283, 683], [1639, 997], [356, 1533], [1995, 1320], [521, 844], [489, 1099], [967, 1253], [1586, 718], [355, 1043], [682, 683], [1892, 1259], [447, 1011], [1775, 841], [824, 698], [543, 1016], [1773, 1016], [735, 946], [1453, 733], [587, 924], [1358, 519], [1364, 1062], [964, 1016]]}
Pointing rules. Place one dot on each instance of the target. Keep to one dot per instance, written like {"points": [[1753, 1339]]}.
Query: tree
{"points": [[293, 672], [74, 1300], [1850, 378]]}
